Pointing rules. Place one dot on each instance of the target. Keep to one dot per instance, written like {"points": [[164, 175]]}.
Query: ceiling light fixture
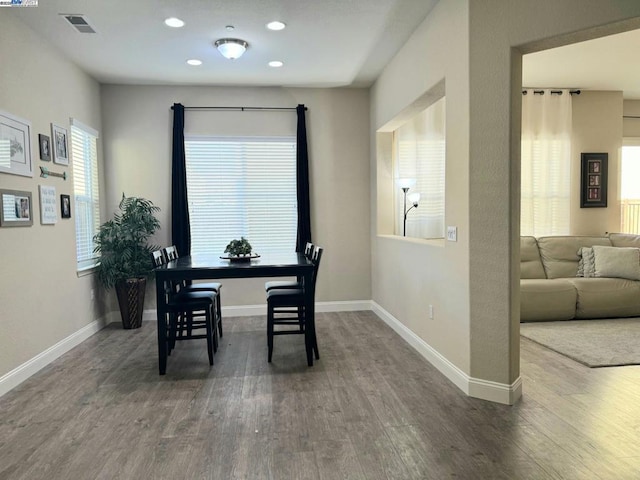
{"points": [[276, 25], [231, 48], [275, 63], [174, 22], [194, 61]]}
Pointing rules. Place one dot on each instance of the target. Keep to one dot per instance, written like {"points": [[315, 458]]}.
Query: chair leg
{"points": [[210, 327], [270, 331], [219, 312]]}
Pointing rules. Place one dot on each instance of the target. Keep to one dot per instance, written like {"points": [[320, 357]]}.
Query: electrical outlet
{"points": [[430, 312], [452, 234], [93, 294]]}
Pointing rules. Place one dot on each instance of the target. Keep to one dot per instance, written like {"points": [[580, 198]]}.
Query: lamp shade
{"points": [[406, 182], [414, 198], [231, 48]]}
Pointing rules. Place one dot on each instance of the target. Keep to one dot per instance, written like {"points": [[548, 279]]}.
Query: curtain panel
{"points": [[302, 180], [180, 229]]}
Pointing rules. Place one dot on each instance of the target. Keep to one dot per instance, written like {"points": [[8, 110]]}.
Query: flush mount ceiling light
{"points": [[275, 25], [174, 22], [231, 48]]}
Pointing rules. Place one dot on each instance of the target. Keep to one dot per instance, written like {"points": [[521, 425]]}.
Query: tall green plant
{"points": [[123, 242]]}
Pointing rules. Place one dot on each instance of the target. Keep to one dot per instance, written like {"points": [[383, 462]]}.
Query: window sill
{"points": [[86, 271], [433, 242]]}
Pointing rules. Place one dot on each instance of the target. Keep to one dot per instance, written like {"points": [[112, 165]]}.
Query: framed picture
{"points": [[15, 145], [45, 147], [60, 140], [593, 185], [48, 207], [15, 208], [65, 206]]}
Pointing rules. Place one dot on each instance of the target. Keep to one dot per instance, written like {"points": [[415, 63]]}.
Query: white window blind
{"points": [[84, 151], [242, 187], [420, 154], [629, 188]]}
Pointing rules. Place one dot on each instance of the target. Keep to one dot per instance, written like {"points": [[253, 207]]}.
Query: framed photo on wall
{"points": [[593, 180], [65, 206], [15, 208], [45, 147], [15, 141], [59, 137]]}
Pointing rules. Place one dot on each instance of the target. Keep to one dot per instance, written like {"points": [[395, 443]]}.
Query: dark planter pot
{"points": [[130, 294]]}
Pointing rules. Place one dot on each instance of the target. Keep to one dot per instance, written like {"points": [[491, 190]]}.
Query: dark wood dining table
{"points": [[212, 267]]}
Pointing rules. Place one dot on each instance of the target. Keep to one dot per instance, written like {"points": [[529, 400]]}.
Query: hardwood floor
{"points": [[371, 408]]}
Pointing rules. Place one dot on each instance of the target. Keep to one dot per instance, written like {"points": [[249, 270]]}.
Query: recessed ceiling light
{"points": [[275, 63], [230, 28], [275, 25], [194, 61], [174, 22]]}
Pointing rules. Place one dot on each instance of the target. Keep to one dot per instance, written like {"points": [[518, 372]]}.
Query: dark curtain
{"points": [[302, 182], [180, 230]]}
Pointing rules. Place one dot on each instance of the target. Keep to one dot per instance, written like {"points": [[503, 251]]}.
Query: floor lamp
{"points": [[405, 184]]}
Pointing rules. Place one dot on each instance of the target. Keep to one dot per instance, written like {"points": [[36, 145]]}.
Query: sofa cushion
{"points": [[559, 254], [619, 262], [530, 263], [544, 300], [606, 297], [624, 240], [586, 265]]}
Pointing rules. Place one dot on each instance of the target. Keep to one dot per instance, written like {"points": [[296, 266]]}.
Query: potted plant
{"points": [[125, 255], [239, 249]]}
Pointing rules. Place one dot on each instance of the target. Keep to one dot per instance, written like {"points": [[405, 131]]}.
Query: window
{"points": [[419, 155], [84, 151], [242, 187], [629, 188]]}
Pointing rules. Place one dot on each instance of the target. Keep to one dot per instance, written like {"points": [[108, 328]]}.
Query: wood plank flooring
{"points": [[370, 408]]}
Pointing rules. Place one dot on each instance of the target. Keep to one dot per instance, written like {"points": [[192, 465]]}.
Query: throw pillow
{"points": [[586, 266], [620, 262]]}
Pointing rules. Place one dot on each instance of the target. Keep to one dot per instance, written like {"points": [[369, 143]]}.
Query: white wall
{"points": [[42, 300], [137, 127], [473, 284]]}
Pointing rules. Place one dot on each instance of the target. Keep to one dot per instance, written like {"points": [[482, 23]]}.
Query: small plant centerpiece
{"points": [[239, 250], [125, 255]]}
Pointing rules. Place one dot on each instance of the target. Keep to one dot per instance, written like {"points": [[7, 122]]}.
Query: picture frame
{"points": [[60, 144], [15, 145], [15, 208], [65, 206], [48, 205], [45, 147], [593, 175]]}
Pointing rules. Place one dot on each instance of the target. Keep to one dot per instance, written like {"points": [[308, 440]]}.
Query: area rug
{"points": [[594, 343]]}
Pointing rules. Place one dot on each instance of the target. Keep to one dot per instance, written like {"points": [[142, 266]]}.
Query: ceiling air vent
{"points": [[79, 22]]}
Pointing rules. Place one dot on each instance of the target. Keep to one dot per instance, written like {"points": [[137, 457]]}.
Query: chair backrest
{"points": [[170, 253], [158, 258], [316, 255], [308, 249]]}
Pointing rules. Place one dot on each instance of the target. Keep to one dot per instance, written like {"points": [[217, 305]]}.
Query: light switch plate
{"points": [[452, 234]]}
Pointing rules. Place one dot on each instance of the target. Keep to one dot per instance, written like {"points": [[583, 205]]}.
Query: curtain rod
{"points": [[242, 109], [553, 92], [630, 116]]}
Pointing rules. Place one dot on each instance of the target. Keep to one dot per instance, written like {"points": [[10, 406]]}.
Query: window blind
{"points": [[241, 187], [84, 151]]}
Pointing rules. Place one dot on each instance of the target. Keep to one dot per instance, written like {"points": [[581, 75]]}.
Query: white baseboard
{"points": [[474, 387], [18, 375]]}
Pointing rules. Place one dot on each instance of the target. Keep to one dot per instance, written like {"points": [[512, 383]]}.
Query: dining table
{"points": [[191, 268]]}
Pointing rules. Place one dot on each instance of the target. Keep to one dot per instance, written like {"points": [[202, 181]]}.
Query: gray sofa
{"points": [[552, 286]]}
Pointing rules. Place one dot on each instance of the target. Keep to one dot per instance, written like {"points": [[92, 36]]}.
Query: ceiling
{"points": [[327, 43]]}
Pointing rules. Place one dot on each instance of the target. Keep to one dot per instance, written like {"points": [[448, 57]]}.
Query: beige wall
{"points": [[631, 126], [42, 300], [137, 129], [477, 47], [597, 128]]}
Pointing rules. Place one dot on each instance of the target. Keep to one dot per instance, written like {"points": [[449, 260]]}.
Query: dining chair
{"points": [[188, 312], [171, 253], [285, 308], [308, 249]]}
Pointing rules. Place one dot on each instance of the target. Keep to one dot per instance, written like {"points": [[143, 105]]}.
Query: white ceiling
{"points": [[326, 43]]}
